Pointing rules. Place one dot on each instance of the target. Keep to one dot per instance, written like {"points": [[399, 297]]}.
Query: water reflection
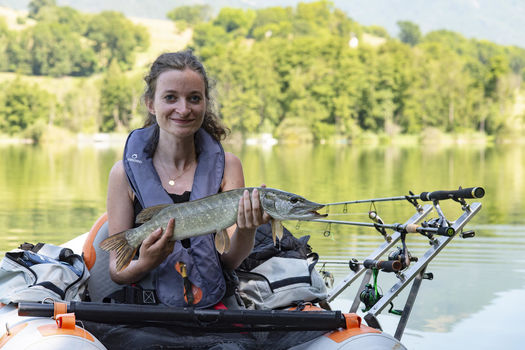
{"points": [[52, 194]]}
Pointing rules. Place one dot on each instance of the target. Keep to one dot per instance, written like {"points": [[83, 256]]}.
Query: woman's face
{"points": [[179, 103]]}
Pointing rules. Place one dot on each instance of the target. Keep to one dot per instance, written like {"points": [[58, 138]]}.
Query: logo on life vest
{"points": [[134, 159]]}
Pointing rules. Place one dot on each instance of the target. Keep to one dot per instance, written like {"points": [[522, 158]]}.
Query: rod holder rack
{"points": [[415, 273]]}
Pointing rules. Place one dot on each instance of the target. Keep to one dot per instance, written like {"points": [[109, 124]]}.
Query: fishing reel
{"points": [[404, 258], [369, 296]]}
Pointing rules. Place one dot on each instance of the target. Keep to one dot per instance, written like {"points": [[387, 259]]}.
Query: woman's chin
{"points": [[182, 131]]}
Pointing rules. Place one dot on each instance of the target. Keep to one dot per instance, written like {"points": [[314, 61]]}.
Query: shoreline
{"points": [[267, 140]]}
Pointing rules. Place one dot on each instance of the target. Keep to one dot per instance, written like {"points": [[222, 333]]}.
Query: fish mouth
{"points": [[315, 214]]}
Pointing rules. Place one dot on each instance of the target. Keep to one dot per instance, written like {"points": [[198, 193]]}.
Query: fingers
{"points": [[157, 246], [250, 213], [168, 234], [257, 212], [160, 242], [152, 238], [265, 216], [241, 216], [166, 240]]}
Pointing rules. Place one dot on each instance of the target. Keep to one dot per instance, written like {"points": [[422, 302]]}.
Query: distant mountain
{"points": [[500, 21]]}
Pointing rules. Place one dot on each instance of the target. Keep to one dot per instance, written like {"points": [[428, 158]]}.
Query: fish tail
{"points": [[119, 243]]}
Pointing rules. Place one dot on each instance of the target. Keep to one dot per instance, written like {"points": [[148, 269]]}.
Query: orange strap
{"points": [[66, 321], [352, 321], [353, 327], [190, 290], [59, 308]]}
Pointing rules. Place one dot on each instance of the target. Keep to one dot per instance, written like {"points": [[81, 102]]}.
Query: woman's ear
{"points": [[149, 104]]}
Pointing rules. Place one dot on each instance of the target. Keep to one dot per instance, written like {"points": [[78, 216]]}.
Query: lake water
{"points": [[53, 193]]}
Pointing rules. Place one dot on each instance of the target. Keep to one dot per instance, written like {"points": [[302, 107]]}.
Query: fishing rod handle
{"points": [[471, 192], [383, 265], [441, 231]]}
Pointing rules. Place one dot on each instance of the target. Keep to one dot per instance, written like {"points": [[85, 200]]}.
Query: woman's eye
{"points": [[170, 98], [195, 99]]}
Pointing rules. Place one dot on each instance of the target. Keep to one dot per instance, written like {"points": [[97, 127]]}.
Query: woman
{"points": [[177, 157]]}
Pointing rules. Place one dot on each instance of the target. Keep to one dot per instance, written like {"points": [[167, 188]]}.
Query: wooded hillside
{"points": [[307, 72]]}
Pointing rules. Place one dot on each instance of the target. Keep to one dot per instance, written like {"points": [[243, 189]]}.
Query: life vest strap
{"points": [[133, 294]]}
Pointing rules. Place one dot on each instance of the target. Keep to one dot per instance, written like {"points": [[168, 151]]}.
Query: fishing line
{"points": [[372, 207], [348, 214]]}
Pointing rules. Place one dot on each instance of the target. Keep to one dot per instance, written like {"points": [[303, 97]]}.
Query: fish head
{"points": [[282, 205]]}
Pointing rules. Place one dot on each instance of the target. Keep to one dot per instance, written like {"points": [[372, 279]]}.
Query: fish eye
{"points": [[294, 200]]}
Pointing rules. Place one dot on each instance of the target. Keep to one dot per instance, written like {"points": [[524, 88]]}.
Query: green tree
{"points": [[23, 105], [80, 107], [185, 16], [377, 31], [35, 6], [272, 22], [68, 16], [116, 38], [5, 37], [18, 52], [56, 51], [247, 87], [234, 20], [116, 100], [314, 15], [210, 35], [409, 32], [347, 84], [272, 15]]}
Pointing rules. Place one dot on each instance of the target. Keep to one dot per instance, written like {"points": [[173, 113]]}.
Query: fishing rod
{"points": [[461, 193], [438, 227], [401, 228]]}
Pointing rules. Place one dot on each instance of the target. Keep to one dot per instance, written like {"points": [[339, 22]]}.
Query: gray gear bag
{"points": [[41, 271]]}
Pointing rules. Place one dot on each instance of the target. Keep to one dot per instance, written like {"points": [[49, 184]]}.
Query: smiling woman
{"points": [[181, 159], [178, 157]]}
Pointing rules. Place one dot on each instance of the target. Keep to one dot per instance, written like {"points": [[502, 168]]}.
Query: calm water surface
{"points": [[52, 194]]}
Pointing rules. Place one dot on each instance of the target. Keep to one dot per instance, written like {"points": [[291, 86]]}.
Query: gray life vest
{"points": [[201, 258]]}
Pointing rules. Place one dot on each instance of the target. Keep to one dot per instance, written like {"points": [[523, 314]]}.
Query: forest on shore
{"points": [[307, 73]]}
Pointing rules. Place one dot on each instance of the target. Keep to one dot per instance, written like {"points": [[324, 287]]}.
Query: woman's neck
{"points": [[174, 151]]}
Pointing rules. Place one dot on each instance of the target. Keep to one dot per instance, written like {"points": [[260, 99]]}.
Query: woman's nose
{"points": [[182, 108]]}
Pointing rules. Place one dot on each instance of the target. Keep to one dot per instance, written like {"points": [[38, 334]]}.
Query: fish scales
{"points": [[207, 215]]}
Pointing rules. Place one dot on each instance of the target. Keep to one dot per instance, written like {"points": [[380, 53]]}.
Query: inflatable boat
{"points": [[58, 324]]}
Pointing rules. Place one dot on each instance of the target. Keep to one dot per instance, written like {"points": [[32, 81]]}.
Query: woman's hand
{"points": [[156, 247], [251, 214]]}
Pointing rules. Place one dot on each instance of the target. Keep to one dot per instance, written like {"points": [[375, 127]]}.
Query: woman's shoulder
{"points": [[233, 174], [118, 169], [117, 174], [118, 180], [231, 159]]}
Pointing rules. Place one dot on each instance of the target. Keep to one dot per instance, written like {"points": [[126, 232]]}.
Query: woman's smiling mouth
{"points": [[182, 121]]}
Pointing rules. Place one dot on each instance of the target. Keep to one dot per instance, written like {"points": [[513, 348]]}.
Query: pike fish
{"points": [[207, 215]]}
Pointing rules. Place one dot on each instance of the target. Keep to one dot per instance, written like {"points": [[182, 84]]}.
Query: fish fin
{"points": [[277, 230], [222, 241], [120, 245], [146, 214]]}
